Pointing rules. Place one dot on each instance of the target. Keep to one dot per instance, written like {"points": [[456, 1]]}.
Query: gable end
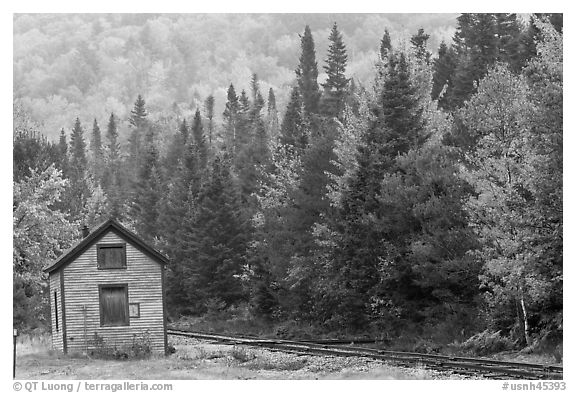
{"points": [[96, 235]]}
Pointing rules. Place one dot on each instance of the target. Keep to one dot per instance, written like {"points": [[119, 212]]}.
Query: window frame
{"points": [[56, 310], [126, 310], [137, 307], [111, 245]]}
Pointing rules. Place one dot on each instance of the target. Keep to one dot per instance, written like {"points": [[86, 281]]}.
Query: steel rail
{"points": [[438, 362]]}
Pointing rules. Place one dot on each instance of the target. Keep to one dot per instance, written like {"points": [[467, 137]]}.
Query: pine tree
{"points": [[362, 236], [140, 126], [112, 135], [385, 45], [257, 99], [97, 152], [209, 107], [147, 190], [400, 112], [214, 239], [476, 45], [307, 73], [244, 102], [509, 30], [272, 123], [78, 160], [138, 113], [78, 190], [230, 115], [199, 139], [244, 132], [259, 146], [63, 153], [293, 131], [419, 41], [176, 149], [112, 180], [444, 67], [336, 82]]}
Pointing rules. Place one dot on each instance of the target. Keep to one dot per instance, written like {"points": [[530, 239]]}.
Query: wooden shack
{"points": [[108, 290]]}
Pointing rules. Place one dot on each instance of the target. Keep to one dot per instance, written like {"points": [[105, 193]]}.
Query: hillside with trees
{"points": [[419, 198]]}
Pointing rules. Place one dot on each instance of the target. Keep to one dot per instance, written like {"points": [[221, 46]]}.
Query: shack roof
{"points": [[95, 234]]}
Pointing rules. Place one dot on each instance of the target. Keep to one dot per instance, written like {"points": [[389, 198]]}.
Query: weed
{"points": [[281, 365], [33, 343], [139, 348], [242, 355], [204, 354]]}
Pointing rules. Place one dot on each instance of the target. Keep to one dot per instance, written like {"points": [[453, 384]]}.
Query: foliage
{"points": [[504, 146], [487, 343], [307, 73], [421, 198], [336, 81], [40, 233]]}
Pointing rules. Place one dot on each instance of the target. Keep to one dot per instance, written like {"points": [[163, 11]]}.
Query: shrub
{"points": [[241, 354], [487, 342], [139, 348]]}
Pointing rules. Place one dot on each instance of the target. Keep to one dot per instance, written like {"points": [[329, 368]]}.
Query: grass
{"points": [[201, 360], [33, 343]]}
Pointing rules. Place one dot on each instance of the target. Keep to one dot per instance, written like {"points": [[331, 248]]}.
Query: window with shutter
{"points": [[111, 256], [114, 305]]}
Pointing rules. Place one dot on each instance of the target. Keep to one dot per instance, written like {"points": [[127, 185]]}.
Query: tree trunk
{"points": [[525, 317]]}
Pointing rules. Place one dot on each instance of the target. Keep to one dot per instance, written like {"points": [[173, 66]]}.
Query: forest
{"points": [[421, 200]]}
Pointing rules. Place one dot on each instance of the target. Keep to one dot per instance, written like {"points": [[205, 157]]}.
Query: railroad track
{"points": [[487, 368]]}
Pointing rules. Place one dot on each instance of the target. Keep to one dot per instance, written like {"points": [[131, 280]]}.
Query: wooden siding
{"points": [[54, 281], [143, 278]]}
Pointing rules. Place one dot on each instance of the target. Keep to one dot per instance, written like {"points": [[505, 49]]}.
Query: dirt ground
{"points": [[201, 360]]}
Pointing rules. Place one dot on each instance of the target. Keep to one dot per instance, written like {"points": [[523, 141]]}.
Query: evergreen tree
{"points": [[244, 132], [78, 160], [112, 135], [112, 180], [260, 149], [385, 45], [444, 67], [138, 113], [307, 73], [362, 238], [230, 115], [140, 127], [272, 123], [293, 131], [199, 139], [244, 102], [336, 81], [214, 241], [509, 31], [97, 152], [63, 153], [400, 111], [209, 107], [78, 190], [257, 99], [419, 41], [476, 44], [147, 190], [176, 149]]}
